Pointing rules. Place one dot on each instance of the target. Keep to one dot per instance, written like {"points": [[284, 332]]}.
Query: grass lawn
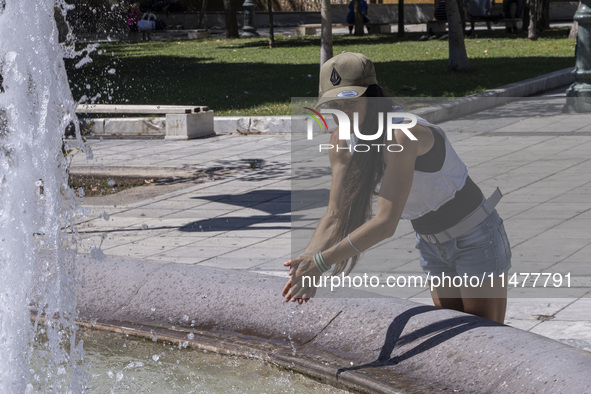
{"points": [[245, 77]]}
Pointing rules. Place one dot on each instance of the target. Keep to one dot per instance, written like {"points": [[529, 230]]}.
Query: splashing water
{"points": [[36, 253]]}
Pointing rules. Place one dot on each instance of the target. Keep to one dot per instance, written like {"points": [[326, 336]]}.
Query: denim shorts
{"points": [[483, 251]]}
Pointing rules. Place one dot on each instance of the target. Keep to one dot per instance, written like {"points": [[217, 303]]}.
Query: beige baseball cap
{"points": [[346, 75]]}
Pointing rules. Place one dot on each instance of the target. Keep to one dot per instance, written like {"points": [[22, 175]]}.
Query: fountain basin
{"points": [[361, 344]]}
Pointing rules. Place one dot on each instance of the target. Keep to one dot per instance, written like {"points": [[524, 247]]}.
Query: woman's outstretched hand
{"points": [[299, 267]]}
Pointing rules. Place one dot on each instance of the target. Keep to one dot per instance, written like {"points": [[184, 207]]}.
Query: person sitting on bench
{"points": [[479, 10], [351, 15]]}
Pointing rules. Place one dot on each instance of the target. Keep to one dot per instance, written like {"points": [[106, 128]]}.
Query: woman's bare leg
{"points": [[488, 301], [447, 297]]}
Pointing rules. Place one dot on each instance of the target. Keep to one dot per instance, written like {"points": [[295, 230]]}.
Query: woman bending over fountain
{"points": [[416, 175]]}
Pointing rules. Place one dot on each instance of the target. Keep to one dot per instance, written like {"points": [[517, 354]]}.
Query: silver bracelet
{"points": [[353, 246], [320, 263]]}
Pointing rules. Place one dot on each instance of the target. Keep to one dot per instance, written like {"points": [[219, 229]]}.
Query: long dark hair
{"points": [[364, 172]]}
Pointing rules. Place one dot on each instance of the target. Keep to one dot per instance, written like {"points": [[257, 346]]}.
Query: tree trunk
{"points": [[532, 31], [462, 14], [400, 18], [202, 14], [271, 30], [325, 32], [458, 58], [574, 30], [358, 17], [231, 19], [543, 14]]}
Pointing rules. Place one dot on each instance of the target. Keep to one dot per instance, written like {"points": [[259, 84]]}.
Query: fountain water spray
{"points": [[37, 247]]}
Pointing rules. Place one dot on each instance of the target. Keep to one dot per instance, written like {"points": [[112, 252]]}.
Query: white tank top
{"points": [[430, 190]]}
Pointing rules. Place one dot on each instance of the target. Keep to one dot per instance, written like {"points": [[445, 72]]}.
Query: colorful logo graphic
{"points": [[317, 117]]}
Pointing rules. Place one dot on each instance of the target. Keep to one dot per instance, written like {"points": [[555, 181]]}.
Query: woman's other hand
{"points": [[296, 288]]}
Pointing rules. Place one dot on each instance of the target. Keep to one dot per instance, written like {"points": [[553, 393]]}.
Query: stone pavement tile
{"points": [[548, 249], [249, 222], [272, 207], [581, 197], [281, 245], [225, 241], [194, 214], [510, 209], [145, 212], [544, 292], [116, 221], [166, 204], [520, 230], [254, 253], [255, 233], [532, 308], [582, 257], [555, 232], [194, 253], [579, 310], [231, 263], [566, 331], [529, 267], [136, 251], [195, 231], [552, 210], [585, 213], [250, 212], [525, 325]]}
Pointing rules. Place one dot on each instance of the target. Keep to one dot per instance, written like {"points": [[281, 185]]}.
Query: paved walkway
{"points": [[535, 153]]}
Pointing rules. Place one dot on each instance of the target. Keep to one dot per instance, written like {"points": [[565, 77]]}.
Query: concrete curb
{"points": [[452, 109], [369, 345], [440, 112]]}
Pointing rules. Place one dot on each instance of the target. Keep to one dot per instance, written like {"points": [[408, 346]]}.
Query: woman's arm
{"points": [[324, 235], [394, 191]]}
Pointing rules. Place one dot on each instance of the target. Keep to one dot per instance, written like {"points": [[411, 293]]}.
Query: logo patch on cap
{"points": [[348, 93], [335, 78]]}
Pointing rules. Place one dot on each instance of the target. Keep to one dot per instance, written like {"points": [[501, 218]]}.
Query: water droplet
{"points": [[155, 357], [97, 253], [191, 336]]}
